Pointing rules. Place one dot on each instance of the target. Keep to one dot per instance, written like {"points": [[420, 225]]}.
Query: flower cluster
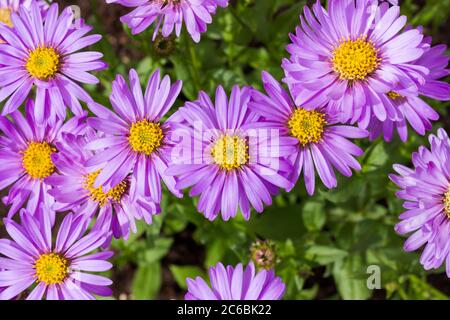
{"points": [[360, 59], [355, 71]]}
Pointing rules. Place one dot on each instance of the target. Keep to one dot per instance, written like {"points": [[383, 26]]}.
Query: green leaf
{"points": [[324, 254], [156, 252], [147, 282], [348, 274], [181, 273], [279, 223], [216, 251], [376, 157], [314, 216]]}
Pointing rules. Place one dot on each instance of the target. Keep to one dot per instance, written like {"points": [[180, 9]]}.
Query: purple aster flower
{"points": [[168, 15], [233, 165], [73, 189], [41, 53], [9, 6], [137, 141], [236, 284], [25, 152], [320, 140], [59, 271], [411, 108], [352, 55], [426, 192]]}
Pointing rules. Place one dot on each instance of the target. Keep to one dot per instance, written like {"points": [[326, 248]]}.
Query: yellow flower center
{"points": [[97, 194], [230, 152], [51, 268], [355, 59], [446, 201], [394, 95], [145, 136], [5, 17], [36, 160], [307, 126], [43, 63]]}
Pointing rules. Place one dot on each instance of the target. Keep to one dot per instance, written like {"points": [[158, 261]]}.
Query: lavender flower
{"points": [[137, 140], [352, 55], [236, 284], [232, 165], [26, 150], [320, 141], [9, 6], [41, 53], [426, 192], [411, 108], [168, 15], [59, 271], [73, 189]]}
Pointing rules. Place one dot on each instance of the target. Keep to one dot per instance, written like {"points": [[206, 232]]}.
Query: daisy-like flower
{"points": [[236, 284], [320, 140], [73, 189], [411, 108], [352, 55], [9, 6], [56, 271], [137, 141], [26, 150], [426, 192], [41, 53], [232, 166], [168, 15]]}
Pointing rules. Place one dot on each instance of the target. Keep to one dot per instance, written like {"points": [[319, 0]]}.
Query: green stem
{"points": [[195, 64]]}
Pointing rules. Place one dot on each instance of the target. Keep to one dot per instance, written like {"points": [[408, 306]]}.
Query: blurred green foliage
{"points": [[322, 242]]}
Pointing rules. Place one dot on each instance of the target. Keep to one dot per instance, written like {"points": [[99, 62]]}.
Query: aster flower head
{"points": [[232, 164], [412, 109], [41, 53], [425, 190], [73, 189], [320, 141], [352, 55], [26, 150], [169, 15], [9, 6], [136, 141], [236, 284], [56, 271]]}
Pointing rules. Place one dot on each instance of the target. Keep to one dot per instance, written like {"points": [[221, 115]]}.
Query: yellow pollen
{"points": [[355, 59], [145, 136], [97, 194], [446, 201], [51, 268], [5, 17], [230, 152], [394, 95], [36, 160], [307, 126], [43, 63]]}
